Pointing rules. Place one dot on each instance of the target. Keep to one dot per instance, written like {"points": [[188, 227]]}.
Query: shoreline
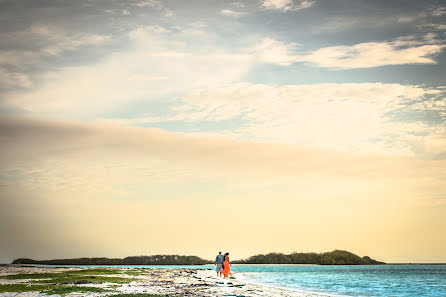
{"points": [[175, 282], [294, 290]]}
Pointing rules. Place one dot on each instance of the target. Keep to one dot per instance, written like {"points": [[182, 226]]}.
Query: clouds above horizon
{"points": [[232, 13], [286, 5], [202, 83], [404, 50], [162, 108], [361, 118], [151, 68]]}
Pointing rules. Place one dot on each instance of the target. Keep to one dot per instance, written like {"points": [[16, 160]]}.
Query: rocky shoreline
{"points": [[124, 281]]}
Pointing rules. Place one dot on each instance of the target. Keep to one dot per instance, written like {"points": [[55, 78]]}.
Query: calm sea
{"points": [[382, 280]]}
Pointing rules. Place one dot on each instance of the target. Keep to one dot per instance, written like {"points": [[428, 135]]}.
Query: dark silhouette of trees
{"points": [[336, 257], [136, 260]]}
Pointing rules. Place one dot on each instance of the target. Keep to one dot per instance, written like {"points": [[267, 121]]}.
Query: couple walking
{"points": [[223, 265]]}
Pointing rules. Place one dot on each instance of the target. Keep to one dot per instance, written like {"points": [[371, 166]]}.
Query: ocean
{"points": [[415, 280], [369, 280]]}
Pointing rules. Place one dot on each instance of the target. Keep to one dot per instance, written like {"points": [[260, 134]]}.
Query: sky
{"points": [[146, 127]]}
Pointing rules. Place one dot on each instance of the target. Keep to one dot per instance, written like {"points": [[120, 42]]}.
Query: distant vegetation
{"points": [[137, 260], [336, 257]]}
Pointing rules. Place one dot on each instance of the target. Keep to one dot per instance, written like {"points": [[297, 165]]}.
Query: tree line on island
{"points": [[336, 257]]}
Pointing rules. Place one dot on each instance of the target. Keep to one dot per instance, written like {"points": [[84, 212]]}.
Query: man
{"points": [[219, 263]]}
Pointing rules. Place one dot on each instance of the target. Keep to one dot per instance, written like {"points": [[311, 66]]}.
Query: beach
{"points": [[44, 281]]}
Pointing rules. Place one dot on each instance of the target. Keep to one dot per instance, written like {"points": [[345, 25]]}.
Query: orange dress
{"points": [[227, 267]]}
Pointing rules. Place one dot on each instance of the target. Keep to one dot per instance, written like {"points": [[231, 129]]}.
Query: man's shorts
{"points": [[219, 267]]}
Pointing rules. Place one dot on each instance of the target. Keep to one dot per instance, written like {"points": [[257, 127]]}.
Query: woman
{"points": [[226, 266]]}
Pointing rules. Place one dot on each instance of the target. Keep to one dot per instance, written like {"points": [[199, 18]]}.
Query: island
{"points": [[336, 257]]}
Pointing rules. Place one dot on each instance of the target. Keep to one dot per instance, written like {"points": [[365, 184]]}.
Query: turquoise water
{"points": [[382, 280]]}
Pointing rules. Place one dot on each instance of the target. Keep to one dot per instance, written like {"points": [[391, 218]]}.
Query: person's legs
{"points": [[219, 269]]}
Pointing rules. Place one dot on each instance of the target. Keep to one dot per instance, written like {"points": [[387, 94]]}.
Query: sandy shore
{"points": [[175, 282]]}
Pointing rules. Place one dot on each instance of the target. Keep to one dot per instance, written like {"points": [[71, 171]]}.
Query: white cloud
{"points": [[155, 4], [362, 55], [372, 54], [232, 13], [54, 40], [276, 52], [151, 68], [47, 40], [149, 3], [154, 28], [286, 5], [126, 12], [349, 117], [438, 104]]}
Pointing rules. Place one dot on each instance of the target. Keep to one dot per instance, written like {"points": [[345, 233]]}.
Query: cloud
{"points": [[400, 51], [150, 3], [439, 27], [53, 40], [347, 117], [440, 11], [405, 19], [45, 40], [151, 68], [157, 5], [232, 13], [339, 23], [276, 52], [10, 79], [152, 28], [373, 54], [238, 4], [286, 5]]}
